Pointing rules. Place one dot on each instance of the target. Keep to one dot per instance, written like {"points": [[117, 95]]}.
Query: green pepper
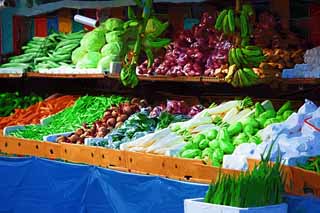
{"points": [[256, 139], [214, 144], [251, 121], [249, 130], [206, 152], [235, 129], [261, 122], [212, 134], [285, 107], [268, 114], [191, 153], [240, 139], [204, 144], [198, 138], [225, 141], [190, 145], [217, 155], [258, 110], [215, 163], [271, 121], [197, 157]]}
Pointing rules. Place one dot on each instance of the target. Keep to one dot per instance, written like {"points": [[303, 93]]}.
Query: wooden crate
{"points": [[135, 162], [298, 181]]}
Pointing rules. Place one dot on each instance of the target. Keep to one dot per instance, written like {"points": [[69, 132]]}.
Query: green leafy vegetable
{"points": [[93, 41], [89, 60]]}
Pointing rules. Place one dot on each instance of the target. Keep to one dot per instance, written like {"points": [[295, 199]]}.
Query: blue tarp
{"points": [[35, 185]]}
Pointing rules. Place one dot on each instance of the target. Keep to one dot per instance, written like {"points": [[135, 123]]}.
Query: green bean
{"points": [[71, 118]]}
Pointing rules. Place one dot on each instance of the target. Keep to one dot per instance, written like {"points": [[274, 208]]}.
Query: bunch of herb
{"points": [[263, 186]]}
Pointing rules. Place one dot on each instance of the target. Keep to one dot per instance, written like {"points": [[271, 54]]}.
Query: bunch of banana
{"points": [[61, 54], [246, 56], [241, 77], [228, 21]]}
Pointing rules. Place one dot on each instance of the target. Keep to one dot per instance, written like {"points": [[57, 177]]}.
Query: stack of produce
{"points": [[86, 110], [176, 107], [236, 128], [170, 141], [261, 187], [101, 46], [137, 126], [242, 57], [112, 118], [195, 52], [11, 101], [34, 113], [61, 55], [296, 139], [36, 48]]}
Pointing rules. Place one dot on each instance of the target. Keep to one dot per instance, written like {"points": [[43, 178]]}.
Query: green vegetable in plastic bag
{"points": [[191, 153], [114, 36], [112, 24], [93, 41], [78, 54], [214, 144], [113, 48], [240, 139], [104, 63], [90, 60], [204, 144]]}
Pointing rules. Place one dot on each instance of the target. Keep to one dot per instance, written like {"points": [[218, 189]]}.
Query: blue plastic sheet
{"points": [[35, 185], [39, 185]]}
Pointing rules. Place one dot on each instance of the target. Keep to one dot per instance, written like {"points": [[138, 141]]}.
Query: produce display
{"points": [[112, 118], [237, 127], [296, 138], [147, 30], [263, 186], [194, 52], [48, 52], [11, 101], [38, 47], [85, 110], [137, 126], [61, 55], [34, 113], [171, 140]]}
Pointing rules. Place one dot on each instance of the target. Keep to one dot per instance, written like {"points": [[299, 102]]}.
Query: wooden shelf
{"points": [[162, 78], [45, 75], [11, 75], [301, 81]]}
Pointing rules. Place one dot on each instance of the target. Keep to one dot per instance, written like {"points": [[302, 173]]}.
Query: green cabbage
{"points": [[104, 63], [93, 41], [113, 48], [77, 54], [112, 24], [115, 36], [89, 60]]}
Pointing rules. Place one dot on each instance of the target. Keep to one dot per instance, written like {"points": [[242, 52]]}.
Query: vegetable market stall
{"points": [[235, 52]]}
